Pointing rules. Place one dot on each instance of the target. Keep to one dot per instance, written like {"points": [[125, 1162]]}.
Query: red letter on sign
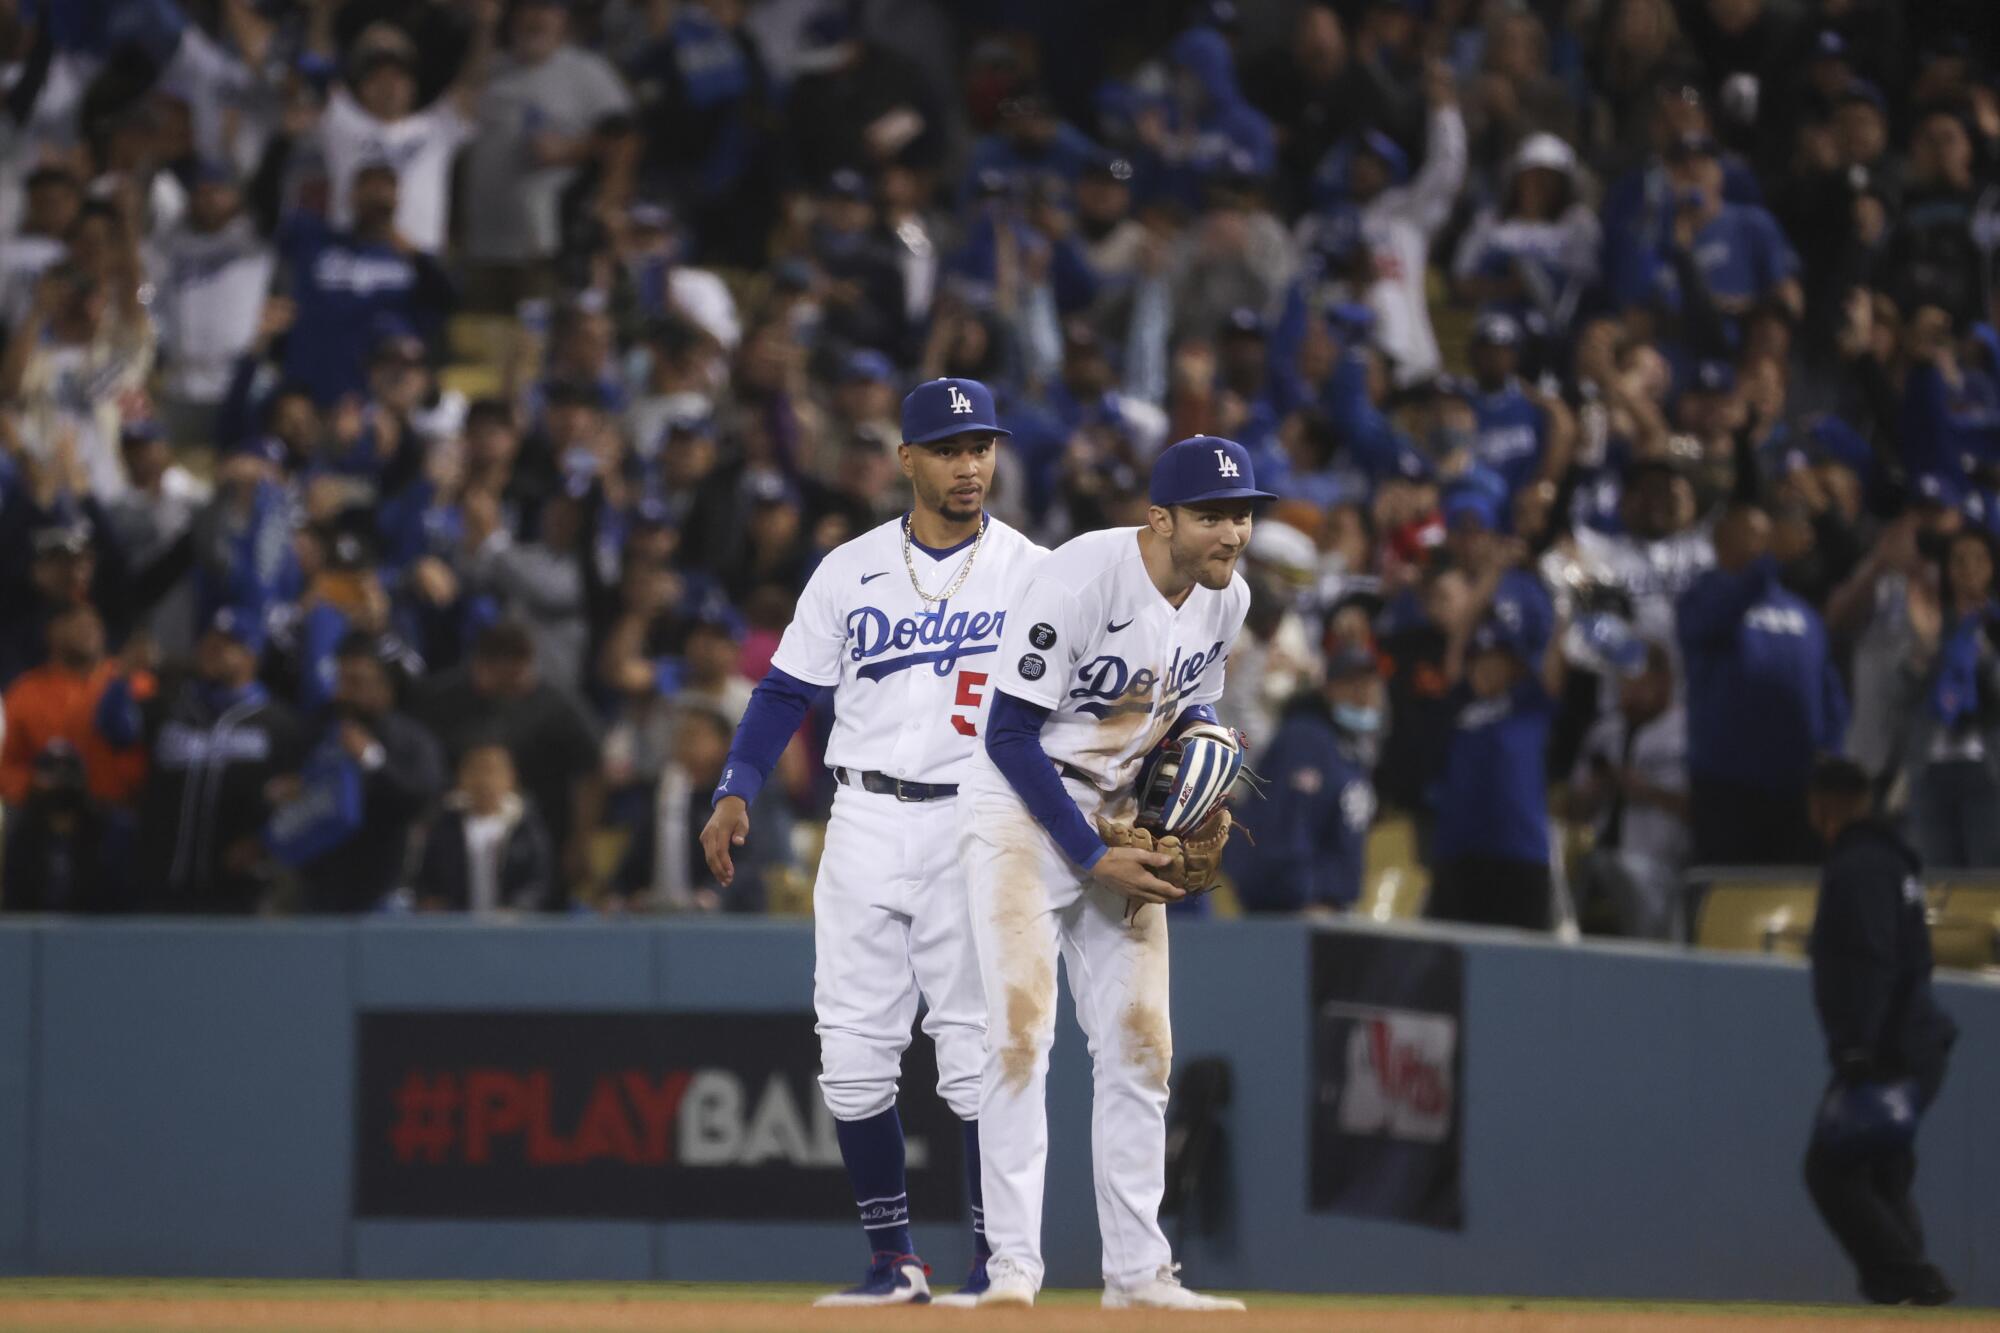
{"points": [[968, 697]]}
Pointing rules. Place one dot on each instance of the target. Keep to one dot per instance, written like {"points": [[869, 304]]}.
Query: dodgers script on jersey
{"points": [[1090, 638], [912, 679]]}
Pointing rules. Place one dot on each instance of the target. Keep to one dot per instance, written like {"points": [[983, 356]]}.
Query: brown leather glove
{"points": [[1201, 851], [1131, 835]]}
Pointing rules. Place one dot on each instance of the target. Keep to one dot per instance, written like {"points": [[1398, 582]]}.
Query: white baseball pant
{"points": [[889, 924], [1030, 903]]}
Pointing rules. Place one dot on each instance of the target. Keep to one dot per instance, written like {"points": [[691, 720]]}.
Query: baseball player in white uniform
{"points": [[903, 625], [1116, 641]]}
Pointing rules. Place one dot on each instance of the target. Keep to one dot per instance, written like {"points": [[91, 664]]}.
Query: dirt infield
{"points": [[664, 1308]]}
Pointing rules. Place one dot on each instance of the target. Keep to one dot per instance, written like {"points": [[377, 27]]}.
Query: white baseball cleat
{"points": [[1163, 1291], [1007, 1285]]}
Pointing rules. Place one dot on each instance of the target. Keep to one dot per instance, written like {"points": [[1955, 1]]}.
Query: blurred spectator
{"points": [[857, 104], [374, 120], [1941, 251], [51, 199], [1310, 91], [65, 853], [153, 523], [351, 286], [1631, 783], [540, 583], [664, 862], [487, 851], [1953, 684], [61, 572], [706, 76], [1763, 700], [1711, 263], [1522, 436], [76, 364], [219, 750], [538, 122], [1399, 221], [1312, 828], [399, 771], [1489, 849], [209, 275], [57, 704], [500, 695], [1534, 254], [1274, 659]]}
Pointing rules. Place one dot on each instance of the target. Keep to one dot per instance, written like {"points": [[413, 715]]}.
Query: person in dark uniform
{"points": [[1886, 1036], [1312, 827]]}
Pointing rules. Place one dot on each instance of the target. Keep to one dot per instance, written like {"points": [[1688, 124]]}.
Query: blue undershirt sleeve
{"points": [[777, 706], [1014, 743], [1192, 714]]}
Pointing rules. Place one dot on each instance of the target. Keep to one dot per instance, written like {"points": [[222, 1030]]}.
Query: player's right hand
{"points": [[727, 827], [1129, 871]]}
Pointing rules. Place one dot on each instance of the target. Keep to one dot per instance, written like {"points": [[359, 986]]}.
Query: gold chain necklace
{"points": [[964, 569]]}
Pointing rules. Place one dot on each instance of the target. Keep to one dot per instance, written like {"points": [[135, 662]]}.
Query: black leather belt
{"points": [[1072, 771], [884, 785]]}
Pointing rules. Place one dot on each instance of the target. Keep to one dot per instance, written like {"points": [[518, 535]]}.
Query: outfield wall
{"points": [[180, 1098]]}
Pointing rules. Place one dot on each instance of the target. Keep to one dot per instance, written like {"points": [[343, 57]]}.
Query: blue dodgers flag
{"points": [[325, 813]]}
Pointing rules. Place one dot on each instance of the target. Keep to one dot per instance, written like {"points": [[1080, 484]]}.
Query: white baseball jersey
{"points": [[912, 679], [422, 148], [1090, 638]]}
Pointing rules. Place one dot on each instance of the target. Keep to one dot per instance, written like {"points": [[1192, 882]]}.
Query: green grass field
{"points": [[512, 1307]]}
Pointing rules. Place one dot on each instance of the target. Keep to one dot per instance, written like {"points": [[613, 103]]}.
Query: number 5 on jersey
{"points": [[969, 683]]}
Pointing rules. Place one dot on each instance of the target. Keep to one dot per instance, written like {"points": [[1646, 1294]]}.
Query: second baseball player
{"points": [[1116, 641]]}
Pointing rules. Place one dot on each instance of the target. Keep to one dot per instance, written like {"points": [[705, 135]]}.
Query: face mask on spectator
{"points": [[1358, 719]]}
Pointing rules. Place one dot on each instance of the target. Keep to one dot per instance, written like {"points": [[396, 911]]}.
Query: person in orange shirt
{"points": [[58, 701]]}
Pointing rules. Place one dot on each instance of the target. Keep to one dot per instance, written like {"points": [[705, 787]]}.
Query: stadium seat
{"points": [[474, 381], [1965, 922], [486, 340], [1394, 883], [1751, 912], [1772, 912]]}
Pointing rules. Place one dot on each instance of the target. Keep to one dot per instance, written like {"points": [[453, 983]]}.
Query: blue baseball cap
{"points": [[1379, 145], [869, 365], [939, 409], [1476, 501], [1496, 328], [1204, 467], [240, 625]]}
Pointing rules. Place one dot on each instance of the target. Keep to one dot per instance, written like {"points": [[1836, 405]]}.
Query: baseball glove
{"points": [[1201, 851], [1131, 835]]}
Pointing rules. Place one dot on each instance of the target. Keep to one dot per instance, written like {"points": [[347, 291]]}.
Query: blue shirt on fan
{"points": [[346, 290], [1512, 433], [1763, 696], [1742, 256], [1493, 800]]}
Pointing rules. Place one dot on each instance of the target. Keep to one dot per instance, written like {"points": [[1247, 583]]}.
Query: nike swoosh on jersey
{"points": [[1113, 627], [865, 578]]}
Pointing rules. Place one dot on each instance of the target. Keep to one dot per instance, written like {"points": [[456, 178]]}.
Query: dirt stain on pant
{"points": [[1145, 1028], [1028, 969]]}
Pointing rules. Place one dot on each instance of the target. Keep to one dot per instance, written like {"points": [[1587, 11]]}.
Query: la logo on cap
{"points": [[959, 402], [1225, 465]]}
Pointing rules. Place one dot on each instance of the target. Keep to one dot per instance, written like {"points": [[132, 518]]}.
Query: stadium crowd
{"points": [[417, 419]]}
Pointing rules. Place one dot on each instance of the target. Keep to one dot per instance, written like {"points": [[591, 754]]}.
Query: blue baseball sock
{"points": [[873, 1151], [981, 1251]]}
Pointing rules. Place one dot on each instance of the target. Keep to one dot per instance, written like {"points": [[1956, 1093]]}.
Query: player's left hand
{"points": [[728, 826]]}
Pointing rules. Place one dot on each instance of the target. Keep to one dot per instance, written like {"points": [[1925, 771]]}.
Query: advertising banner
{"points": [[670, 1116], [1388, 1053]]}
